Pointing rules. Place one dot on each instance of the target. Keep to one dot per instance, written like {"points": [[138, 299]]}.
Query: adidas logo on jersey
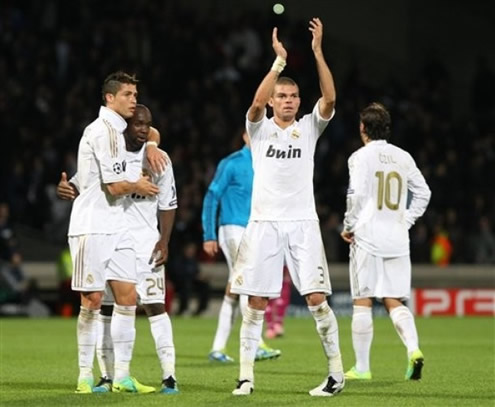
{"points": [[290, 153]]}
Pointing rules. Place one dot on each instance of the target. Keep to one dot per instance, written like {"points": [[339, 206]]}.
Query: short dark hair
{"points": [[285, 80], [114, 81], [376, 121], [140, 106]]}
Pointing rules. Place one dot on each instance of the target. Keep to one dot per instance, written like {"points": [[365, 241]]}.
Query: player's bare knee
{"points": [[128, 299], [258, 303], [391, 303], [124, 293], [154, 309], [91, 300], [314, 299], [363, 302]]}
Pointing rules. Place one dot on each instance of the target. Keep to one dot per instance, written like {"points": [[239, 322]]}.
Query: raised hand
{"points": [[316, 28], [278, 47]]}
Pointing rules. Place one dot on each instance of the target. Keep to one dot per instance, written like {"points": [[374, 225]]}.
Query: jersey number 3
{"points": [[391, 182]]}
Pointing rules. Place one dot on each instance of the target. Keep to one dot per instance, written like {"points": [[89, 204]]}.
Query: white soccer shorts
{"points": [[97, 258], [151, 282], [150, 286], [229, 239], [267, 246], [378, 277]]}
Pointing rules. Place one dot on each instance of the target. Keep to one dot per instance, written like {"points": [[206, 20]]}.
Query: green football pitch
{"points": [[38, 366]]}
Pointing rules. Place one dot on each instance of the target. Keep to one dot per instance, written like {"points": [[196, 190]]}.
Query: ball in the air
{"points": [[278, 8]]}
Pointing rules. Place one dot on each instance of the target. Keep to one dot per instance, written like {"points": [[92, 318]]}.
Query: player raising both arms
{"points": [[376, 225], [283, 225]]}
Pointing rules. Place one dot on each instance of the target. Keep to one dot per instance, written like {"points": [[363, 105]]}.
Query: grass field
{"points": [[38, 366]]}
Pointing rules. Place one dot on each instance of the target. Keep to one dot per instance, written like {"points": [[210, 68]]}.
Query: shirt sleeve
{"points": [[75, 181], [167, 197], [108, 151], [253, 128], [319, 122], [356, 192], [421, 194], [211, 202]]}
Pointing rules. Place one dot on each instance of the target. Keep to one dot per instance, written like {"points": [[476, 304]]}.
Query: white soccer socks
{"points": [[362, 336], [104, 346], [86, 341], [403, 321], [328, 330], [251, 328], [123, 337], [161, 329], [226, 319]]}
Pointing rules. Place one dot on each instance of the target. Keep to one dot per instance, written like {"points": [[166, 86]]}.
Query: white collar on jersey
{"points": [[115, 119], [379, 141]]}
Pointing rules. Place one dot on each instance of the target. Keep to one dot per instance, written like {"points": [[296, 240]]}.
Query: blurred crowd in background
{"points": [[198, 75]]}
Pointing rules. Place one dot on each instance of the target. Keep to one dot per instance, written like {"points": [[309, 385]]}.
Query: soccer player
{"points": [[151, 253], [229, 199], [376, 225], [100, 246], [283, 226]]}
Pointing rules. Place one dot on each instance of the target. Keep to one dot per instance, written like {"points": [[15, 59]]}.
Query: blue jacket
{"points": [[231, 190]]}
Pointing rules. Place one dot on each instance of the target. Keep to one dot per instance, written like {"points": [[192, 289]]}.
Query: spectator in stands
{"points": [[484, 242], [16, 286], [18, 293]]}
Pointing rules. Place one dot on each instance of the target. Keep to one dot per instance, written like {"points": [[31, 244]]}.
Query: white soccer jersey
{"points": [[283, 163], [100, 160], [141, 212], [381, 175]]}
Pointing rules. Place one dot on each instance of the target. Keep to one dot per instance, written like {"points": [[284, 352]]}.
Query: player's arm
{"points": [[265, 89], [111, 163], [143, 187], [160, 252], [421, 195], [154, 136], [66, 190], [211, 204], [167, 204], [327, 86], [355, 197], [209, 221], [154, 156]]}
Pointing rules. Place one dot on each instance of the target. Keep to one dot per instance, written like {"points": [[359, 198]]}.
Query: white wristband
{"points": [[279, 64], [151, 143]]}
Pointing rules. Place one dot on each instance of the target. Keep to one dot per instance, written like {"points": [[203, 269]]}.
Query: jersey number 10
{"points": [[385, 185]]}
